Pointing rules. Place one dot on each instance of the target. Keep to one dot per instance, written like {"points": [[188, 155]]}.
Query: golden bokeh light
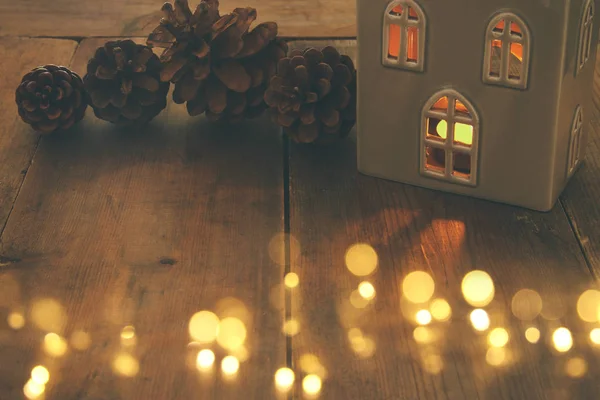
{"points": [[204, 326], [230, 365], [16, 320], [478, 288], [495, 356], [311, 384], [205, 359], [277, 250], [432, 363], [554, 308], [562, 339], [291, 327], [498, 337], [233, 307], [364, 346], [128, 337], [576, 367], [33, 390], [55, 345], [241, 353], [354, 333], [80, 340], [418, 287], [595, 336], [40, 375], [366, 290], [291, 280], [361, 259], [231, 333], [532, 334], [423, 335], [440, 310], [48, 315], [480, 319], [423, 317], [284, 379], [588, 305], [526, 304], [357, 300], [310, 364], [126, 365]]}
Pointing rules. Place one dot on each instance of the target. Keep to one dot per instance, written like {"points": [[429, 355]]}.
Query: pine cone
{"points": [[313, 95], [51, 98], [217, 65], [123, 83]]}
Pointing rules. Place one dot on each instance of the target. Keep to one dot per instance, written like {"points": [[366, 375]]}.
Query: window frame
{"points": [[574, 157], [404, 22], [586, 32], [448, 144], [507, 39]]}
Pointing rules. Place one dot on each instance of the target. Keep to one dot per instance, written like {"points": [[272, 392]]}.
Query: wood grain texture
{"points": [[145, 228], [332, 208], [297, 18], [580, 198], [17, 140]]}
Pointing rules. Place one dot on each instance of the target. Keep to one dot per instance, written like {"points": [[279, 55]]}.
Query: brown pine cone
{"points": [[51, 98], [313, 95], [123, 83], [218, 66]]}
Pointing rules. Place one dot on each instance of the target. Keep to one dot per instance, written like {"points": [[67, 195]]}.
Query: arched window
{"points": [[586, 31], [450, 138], [507, 52], [404, 36], [575, 142]]}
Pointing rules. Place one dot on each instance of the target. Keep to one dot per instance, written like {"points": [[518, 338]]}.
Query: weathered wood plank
{"points": [[145, 228], [296, 18], [17, 140], [332, 208], [580, 198]]}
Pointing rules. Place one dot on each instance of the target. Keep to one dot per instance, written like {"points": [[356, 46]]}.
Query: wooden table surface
{"points": [[112, 243]]}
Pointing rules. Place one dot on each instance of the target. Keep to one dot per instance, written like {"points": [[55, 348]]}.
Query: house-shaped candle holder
{"points": [[489, 99]]}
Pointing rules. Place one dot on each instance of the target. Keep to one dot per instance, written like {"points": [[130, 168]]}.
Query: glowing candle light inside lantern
{"points": [[463, 133]]}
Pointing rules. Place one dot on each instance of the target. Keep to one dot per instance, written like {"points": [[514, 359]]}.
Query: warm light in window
{"points": [[478, 288], [230, 365], [562, 339], [126, 365], [40, 375], [463, 133], [284, 379], [532, 334], [423, 317], [55, 345], [516, 49], [311, 384], [526, 304], [394, 41], [418, 287], [205, 359], [495, 356], [440, 310], [203, 327], [576, 367], [33, 390], [16, 320], [595, 336], [480, 319], [366, 290], [412, 46], [498, 337], [291, 280], [361, 259], [588, 305]]}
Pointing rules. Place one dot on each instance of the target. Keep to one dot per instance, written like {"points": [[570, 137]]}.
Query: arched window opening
{"points": [[586, 31], [575, 141], [404, 36]]}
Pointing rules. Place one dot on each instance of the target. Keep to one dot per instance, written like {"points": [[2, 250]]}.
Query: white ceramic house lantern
{"points": [[482, 98]]}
